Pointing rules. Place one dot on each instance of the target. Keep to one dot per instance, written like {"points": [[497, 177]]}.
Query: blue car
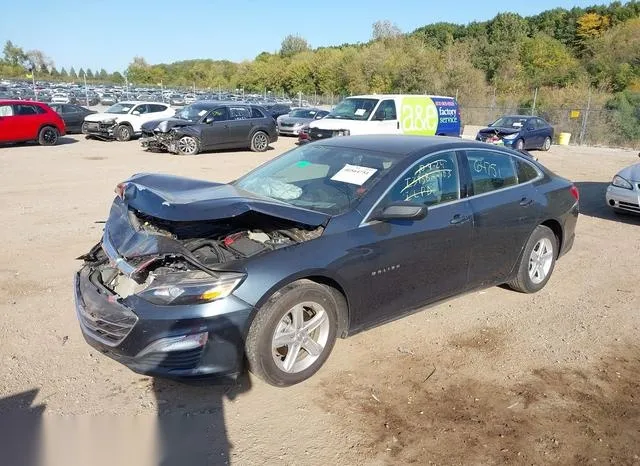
{"points": [[520, 132]]}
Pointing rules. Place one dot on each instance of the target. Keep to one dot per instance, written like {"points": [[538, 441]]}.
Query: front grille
{"points": [[107, 326], [630, 206], [286, 125], [183, 360], [93, 125], [317, 133]]}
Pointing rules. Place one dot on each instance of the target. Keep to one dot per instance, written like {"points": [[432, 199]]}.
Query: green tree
{"points": [[13, 55], [626, 115], [103, 75], [117, 78], [63, 73], [293, 44], [547, 62], [72, 73], [89, 73], [615, 59]]}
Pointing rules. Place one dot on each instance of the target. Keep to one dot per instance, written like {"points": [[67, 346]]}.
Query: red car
{"points": [[22, 120]]}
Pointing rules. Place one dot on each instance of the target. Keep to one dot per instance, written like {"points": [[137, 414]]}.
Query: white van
{"points": [[425, 115]]}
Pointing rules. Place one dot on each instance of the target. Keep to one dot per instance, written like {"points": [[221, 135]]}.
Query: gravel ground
{"points": [[490, 377]]}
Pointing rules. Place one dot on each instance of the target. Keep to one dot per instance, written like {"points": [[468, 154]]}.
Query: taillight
{"points": [[574, 192], [119, 190]]}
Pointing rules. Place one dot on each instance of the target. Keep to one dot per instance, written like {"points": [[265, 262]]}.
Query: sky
{"points": [[108, 34]]}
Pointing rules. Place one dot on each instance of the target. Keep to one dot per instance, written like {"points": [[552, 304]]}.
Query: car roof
{"points": [[401, 145], [14, 102], [391, 96], [518, 116]]}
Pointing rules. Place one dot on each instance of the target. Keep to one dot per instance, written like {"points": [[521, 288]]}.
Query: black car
{"points": [[519, 132], [210, 125], [73, 115], [324, 241], [277, 110]]}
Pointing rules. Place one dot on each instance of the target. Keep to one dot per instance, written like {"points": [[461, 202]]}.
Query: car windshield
{"points": [[353, 109], [192, 112], [509, 122], [303, 113], [326, 179], [119, 109]]}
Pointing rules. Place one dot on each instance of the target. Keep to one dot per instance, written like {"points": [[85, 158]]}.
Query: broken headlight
{"points": [[194, 287]]}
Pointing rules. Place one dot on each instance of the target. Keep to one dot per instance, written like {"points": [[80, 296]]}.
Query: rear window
{"points": [[6, 110], [256, 113], [525, 171], [24, 109]]}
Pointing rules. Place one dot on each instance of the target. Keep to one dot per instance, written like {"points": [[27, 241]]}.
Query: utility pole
{"points": [[86, 93], [535, 97], [583, 130]]}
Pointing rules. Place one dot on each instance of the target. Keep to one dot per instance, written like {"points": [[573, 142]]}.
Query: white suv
{"points": [[123, 120]]}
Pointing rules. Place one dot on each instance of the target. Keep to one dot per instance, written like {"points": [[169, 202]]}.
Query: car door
{"points": [[536, 136], [385, 118], [411, 263], [240, 124], [72, 117], [215, 128], [9, 128], [505, 212], [26, 121]]}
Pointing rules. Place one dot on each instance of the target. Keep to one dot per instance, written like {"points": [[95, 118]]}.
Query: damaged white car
{"points": [[124, 120]]}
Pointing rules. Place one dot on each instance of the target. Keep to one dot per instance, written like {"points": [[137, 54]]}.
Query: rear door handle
{"points": [[525, 201], [459, 219]]}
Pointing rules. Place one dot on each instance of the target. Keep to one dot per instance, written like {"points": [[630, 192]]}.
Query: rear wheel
{"points": [[48, 136], [124, 133], [547, 144], [293, 333], [538, 261], [259, 141], [188, 145]]}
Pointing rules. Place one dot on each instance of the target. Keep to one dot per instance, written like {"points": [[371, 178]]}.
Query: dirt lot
{"points": [[491, 377]]}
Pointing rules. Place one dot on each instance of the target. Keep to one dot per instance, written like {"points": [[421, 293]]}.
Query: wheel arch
{"points": [[321, 278], [556, 228]]}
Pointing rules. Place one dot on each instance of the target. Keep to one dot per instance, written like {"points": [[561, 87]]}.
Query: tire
{"points": [[534, 270], [259, 141], [48, 136], [124, 133], [188, 145], [546, 145], [519, 144], [276, 317]]}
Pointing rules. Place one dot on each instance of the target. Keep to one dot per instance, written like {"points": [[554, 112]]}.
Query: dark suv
{"points": [[210, 125]]}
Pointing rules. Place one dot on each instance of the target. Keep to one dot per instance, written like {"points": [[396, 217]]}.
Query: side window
{"points": [[219, 114], [431, 181], [142, 109], [525, 171], [490, 171], [540, 124], [69, 109], [239, 113], [155, 108], [6, 110], [22, 109], [386, 111], [256, 113]]}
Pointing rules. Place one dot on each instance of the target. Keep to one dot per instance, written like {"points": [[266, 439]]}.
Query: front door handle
{"points": [[459, 219], [525, 202]]}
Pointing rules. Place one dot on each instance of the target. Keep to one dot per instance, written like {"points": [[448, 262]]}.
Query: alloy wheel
{"points": [[540, 260], [260, 142], [300, 337], [187, 145], [50, 136]]}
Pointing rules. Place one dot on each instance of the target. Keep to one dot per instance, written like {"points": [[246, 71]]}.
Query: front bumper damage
{"points": [[99, 129], [159, 142]]}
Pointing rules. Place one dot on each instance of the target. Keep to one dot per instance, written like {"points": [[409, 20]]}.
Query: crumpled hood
{"points": [[182, 199], [294, 120], [631, 173], [97, 117], [165, 124], [499, 130]]}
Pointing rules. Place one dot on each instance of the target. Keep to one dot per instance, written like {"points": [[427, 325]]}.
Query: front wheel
{"points": [[48, 136], [547, 144], [538, 261], [124, 133], [519, 145], [188, 145], [293, 333], [259, 141]]}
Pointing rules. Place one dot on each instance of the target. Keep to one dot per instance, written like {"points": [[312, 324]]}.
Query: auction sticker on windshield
{"points": [[354, 174]]}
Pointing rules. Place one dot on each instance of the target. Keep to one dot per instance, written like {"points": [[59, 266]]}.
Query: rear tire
{"points": [[48, 136], [276, 334], [124, 133], [537, 262], [547, 144], [259, 141]]}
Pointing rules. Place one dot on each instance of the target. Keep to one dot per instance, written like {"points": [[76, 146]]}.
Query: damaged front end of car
{"points": [[163, 135], [157, 292], [104, 129]]}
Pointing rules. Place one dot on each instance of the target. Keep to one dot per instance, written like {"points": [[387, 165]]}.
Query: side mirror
{"points": [[378, 117], [135, 112], [402, 211]]}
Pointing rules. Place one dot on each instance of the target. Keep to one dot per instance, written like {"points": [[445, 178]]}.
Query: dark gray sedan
{"points": [[73, 115], [292, 123], [192, 277]]}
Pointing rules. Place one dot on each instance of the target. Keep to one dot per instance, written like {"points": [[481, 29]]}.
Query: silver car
{"points": [[623, 194], [292, 123]]}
